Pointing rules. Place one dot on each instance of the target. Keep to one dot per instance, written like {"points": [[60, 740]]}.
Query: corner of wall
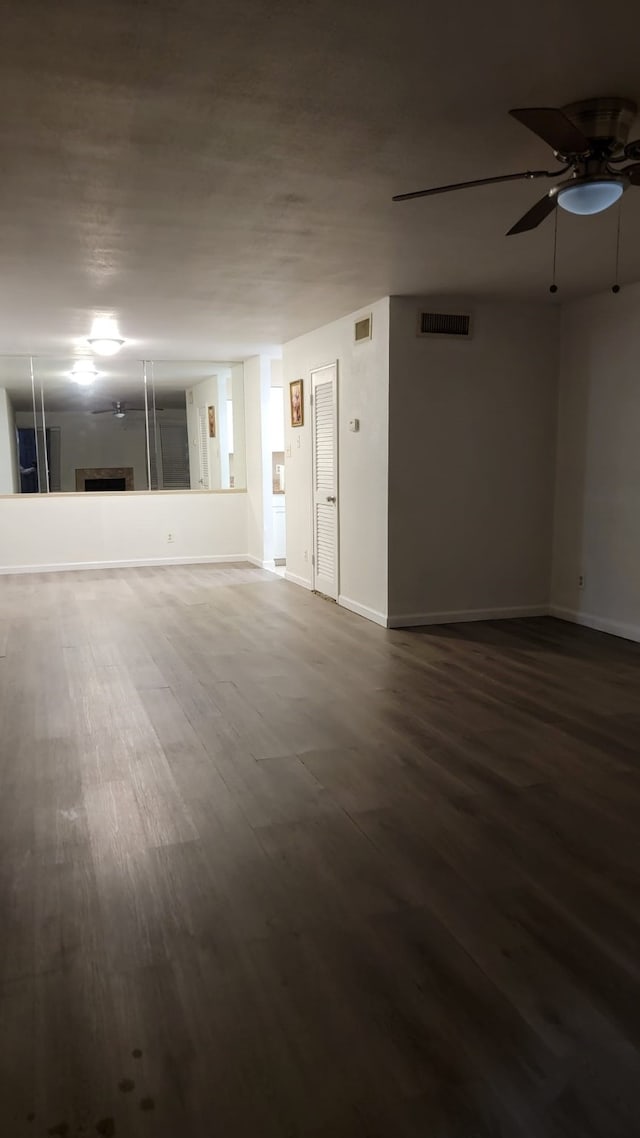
{"points": [[363, 394], [596, 541], [472, 427]]}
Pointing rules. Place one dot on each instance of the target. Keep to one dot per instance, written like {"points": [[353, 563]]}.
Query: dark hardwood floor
{"points": [[270, 871]]}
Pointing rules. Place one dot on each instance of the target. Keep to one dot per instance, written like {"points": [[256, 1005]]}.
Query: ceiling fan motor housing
{"points": [[604, 122]]}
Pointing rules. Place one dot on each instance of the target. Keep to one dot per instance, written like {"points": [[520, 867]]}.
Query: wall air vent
{"points": [[362, 329], [444, 324]]}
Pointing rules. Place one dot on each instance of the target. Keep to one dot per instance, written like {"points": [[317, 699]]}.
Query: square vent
{"points": [[363, 329], [448, 324]]}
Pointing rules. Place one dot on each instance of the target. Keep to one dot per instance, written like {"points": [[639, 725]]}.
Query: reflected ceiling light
{"points": [[105, 338], [83, 372], [592, 196]]}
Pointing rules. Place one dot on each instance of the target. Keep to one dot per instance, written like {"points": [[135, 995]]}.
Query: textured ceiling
{"points": [[219, 174]]}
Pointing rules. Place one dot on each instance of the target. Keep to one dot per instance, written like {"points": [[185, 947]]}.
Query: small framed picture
{"points": [[211, 411], [296, 402]]}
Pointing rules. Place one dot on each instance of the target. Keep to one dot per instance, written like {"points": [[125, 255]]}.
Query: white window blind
{"points": [[174, 446], [203, 447]]}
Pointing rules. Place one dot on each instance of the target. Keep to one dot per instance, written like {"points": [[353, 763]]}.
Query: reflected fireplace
{"points": [[105, 484], [108, 478]]}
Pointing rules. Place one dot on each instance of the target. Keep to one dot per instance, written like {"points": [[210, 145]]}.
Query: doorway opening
{"points": [[276, 445]]}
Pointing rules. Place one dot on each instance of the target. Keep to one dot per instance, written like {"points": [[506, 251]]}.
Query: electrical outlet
{"points": [[581, 580], [170, 537]]}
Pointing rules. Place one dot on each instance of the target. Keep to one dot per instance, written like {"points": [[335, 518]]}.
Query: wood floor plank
{"points": [[269, 869]]}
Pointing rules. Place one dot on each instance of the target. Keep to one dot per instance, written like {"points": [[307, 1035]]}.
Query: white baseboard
{"points": [[260, 564], [140, 563], [363, 610], [296, 580], [598, 623], [411, 620]]}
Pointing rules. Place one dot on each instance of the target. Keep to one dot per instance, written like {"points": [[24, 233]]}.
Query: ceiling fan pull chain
{"points": [[616, 287], [553, 286]]}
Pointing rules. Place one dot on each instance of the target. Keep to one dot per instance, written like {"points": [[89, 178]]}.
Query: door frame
{"points": [[313, 371]]}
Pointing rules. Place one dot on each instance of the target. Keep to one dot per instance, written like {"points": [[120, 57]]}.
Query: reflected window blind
{"points": [[49, 459], [203, 447], [174, 447], [154, 457], [53, 436]]}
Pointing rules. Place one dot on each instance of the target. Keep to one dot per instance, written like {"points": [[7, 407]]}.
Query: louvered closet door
{"points": [[324, 413]]}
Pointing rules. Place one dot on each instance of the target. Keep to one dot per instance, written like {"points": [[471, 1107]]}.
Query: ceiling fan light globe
{"points": [[83, 372], [586, 198], [105, 346], [104, 337]]}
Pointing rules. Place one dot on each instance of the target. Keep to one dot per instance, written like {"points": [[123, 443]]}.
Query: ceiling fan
{"points": [[589, 139], [119, 409]]}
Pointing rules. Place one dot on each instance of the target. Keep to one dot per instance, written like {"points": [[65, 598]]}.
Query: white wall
{"points": [[75, 530], [597, 517], [363, 389], [9, 482], [276, 419], [471, 459], [257, 387]]}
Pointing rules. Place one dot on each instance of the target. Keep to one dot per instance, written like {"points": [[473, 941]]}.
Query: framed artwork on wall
{"points": [[296, 403], [211, 412]]}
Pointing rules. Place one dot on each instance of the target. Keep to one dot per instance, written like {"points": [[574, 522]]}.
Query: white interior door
{"points": [[324, 417]]}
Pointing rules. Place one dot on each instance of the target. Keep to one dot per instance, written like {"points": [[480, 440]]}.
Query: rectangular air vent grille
{"points": [[362, 329], [444, 324]]}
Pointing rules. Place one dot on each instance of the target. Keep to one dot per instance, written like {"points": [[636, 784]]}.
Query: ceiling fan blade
{"points": [[553, 127], [632, 173], [122, 407], [535, 215], [476, 182]]}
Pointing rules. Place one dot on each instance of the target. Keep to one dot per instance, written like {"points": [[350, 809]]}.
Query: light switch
{"points": [[354, 425]]}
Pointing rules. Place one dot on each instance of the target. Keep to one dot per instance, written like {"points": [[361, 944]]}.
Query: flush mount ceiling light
{"points": [[84, 373], [105, 338], [588, 196]]}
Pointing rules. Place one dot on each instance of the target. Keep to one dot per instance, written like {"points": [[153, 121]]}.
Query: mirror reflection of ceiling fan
{"points": [[589, 139], [119, 409]]}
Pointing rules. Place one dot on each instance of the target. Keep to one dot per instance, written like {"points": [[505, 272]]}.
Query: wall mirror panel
{"points": [[95, 424], [197, 428], [22, 441], [120, 425]]}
